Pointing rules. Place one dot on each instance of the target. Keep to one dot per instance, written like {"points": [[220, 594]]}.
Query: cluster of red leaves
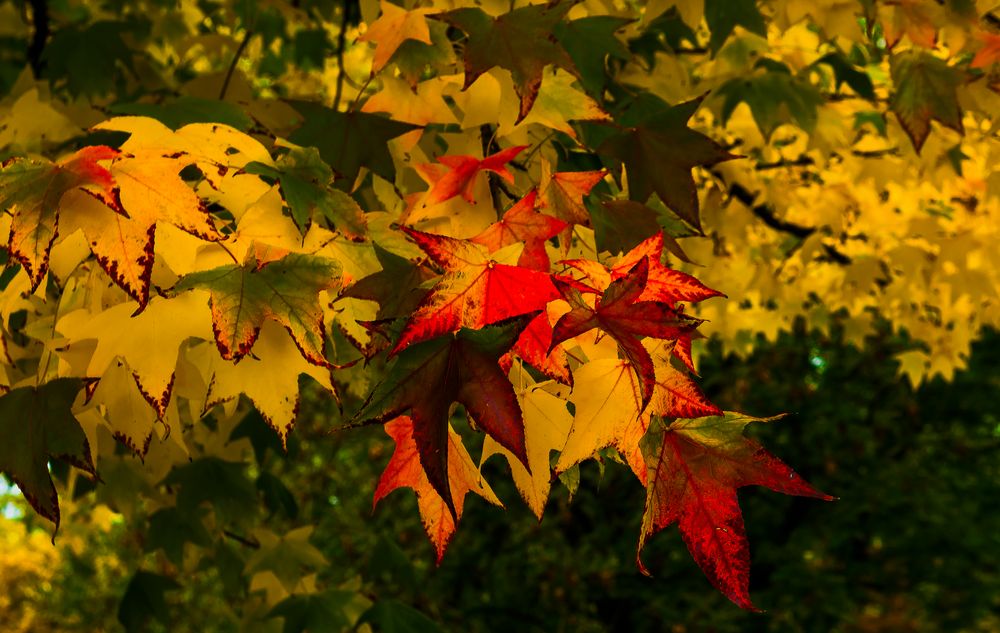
{"points": [[495, 302]]}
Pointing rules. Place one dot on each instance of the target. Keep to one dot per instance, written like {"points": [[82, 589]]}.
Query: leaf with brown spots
{"points": [[32, 191], [285, 290]]}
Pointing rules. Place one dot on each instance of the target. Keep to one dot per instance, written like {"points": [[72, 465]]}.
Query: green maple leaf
{"points": [[348, 141], [722, 16], [667, 32], [589, 42], [521, 41], [774, 96], [144, 600], [223, 485], [185, 109], [925, 90], [170, 529], [305, 182], [396, 287], [659, 151], [284, 290], [37, 424], [325, 612]]}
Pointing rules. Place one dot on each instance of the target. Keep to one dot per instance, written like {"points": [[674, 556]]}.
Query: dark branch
{"points": [[341, 43], [489, 142], [232, 65], [250, 542], [766, 215], [801, 161], [39, 36]]}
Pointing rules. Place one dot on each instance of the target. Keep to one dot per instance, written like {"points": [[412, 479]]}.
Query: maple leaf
{"points": [[392, 28], [562, 195], [37, 425], [129, 416], [659, 151], [589, 42], [476, 289], [926, 89], [989, 54], [150, 191], [547, 422], [460, 177], [607, 412], [396, 287], [285, 290], [269, 377], [348, 141], [626, 318], [662, 282], [32, 190], [163, 326], [427, 377], [558, 102], [305, 182], [693, 470], [535, 347], [675, 394], [405, 469], [722, 16], [773, 96], [520, 41], [608, 399], [521, 223]]}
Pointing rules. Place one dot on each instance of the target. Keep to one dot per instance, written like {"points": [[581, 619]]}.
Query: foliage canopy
{"points": [[499, 223]]}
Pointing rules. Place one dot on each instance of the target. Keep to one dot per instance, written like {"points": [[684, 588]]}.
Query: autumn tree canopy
{"points": [[501, 224]]}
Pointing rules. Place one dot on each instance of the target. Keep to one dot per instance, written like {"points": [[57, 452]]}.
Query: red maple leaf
{"points": [[663, 282], [405, 470], [475, 291], [426, 378], [621, 313], [693, 468], [459, 179], [521, 223]]}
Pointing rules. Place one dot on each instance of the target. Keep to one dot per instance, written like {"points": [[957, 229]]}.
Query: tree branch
{"points": [[39, 35], [250, 542], [766, 215], [489, 143], [232, 65], [341, 42]]}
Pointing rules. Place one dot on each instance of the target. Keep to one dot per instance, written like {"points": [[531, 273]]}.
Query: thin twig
{"points": [[232, 65], [250, 542]]}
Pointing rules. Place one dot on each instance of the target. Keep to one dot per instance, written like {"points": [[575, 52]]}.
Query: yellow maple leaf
{"points": [[393, 27], [547, 422]]}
